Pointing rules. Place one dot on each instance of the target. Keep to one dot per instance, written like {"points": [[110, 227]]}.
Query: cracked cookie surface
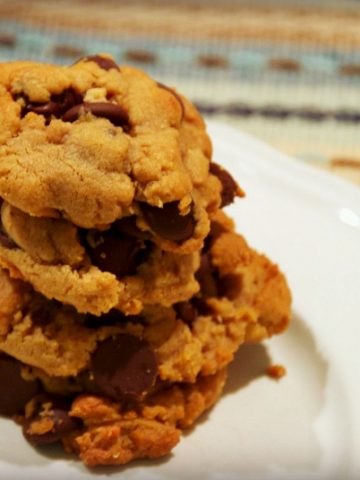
{"points": [[91, 145]]}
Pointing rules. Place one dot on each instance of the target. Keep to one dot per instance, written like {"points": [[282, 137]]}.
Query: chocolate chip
{"points": [[105, 63], [167, 221], [6, 241], [116, 252], [230, 286], [128, 226], [15, 390], [176, 95], [51, 410], [230, 188], [186, 311], [57, 105], [124, 366], [201, 306], [114, 113]]}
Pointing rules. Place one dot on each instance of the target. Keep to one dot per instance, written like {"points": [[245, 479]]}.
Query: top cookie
{"points": [[93, 142]]}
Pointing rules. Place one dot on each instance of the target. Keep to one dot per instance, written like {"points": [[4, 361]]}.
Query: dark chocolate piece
{"points": [[128, 226], [167, 221], [114, 113], [57, 105], [230, 188], [15, 390], [103, 62], [176, 95], [115, 252], [124, 367], [186, 311], [54, 409], [6, 241]]}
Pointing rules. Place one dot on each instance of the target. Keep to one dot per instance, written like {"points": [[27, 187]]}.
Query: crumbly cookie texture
{"points": [[94, 142], [243, 298], [124, 290], [48, 254], [138, 381], [165, 278], [113, 436], [114, 433]]}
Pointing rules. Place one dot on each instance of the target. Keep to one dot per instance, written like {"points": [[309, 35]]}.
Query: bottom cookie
{"points": [[103, 432], [113, 388]]}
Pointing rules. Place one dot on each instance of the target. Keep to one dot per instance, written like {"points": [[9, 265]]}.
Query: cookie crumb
{"points": [[276, 371]]}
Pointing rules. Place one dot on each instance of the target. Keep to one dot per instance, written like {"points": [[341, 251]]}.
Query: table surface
{"points": [[288, 74]]}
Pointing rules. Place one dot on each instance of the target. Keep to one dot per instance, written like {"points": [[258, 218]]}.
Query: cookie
{"points": [[128, 385], [243, 297], [103, 432], [124, 290], [92, 144], [94, 271]]}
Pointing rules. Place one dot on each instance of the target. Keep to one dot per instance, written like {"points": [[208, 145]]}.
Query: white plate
{"points": [[307, 426]]}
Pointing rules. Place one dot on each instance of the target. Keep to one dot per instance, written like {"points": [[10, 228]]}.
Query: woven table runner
{"points": [[287, 73]]}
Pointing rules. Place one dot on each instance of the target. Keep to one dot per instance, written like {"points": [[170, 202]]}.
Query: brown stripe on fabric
{"points": [[140, 56], [68, 51], [331, 26], [7, 40], [280, 112], [350, 69], [212, 61], [284, 64]]}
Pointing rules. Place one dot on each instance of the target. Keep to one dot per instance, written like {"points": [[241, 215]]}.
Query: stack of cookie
{"points": [[124, 290]]}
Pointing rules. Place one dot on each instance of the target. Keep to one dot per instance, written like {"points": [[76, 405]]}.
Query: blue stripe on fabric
{"points": [[246, 61]]}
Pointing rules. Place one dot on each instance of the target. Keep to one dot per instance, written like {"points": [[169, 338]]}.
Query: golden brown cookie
{"points": [[94, 142], [104, 432], [114, 388], [243, 297], [124, 290], [114, 270]]}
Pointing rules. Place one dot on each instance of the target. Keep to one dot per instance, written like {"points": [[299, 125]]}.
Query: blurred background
{"points": [[285, 71]]}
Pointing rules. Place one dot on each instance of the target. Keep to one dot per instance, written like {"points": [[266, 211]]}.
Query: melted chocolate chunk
{"points": [[201, 306], [230, 188], [6, 241], [167, 221], [230, 286], [116, 252], [57, 105], [128, 226], [103, 62], [124, 367], [176, 95], [54, 409], [114, 113], [186, 311], [15, 390]]}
